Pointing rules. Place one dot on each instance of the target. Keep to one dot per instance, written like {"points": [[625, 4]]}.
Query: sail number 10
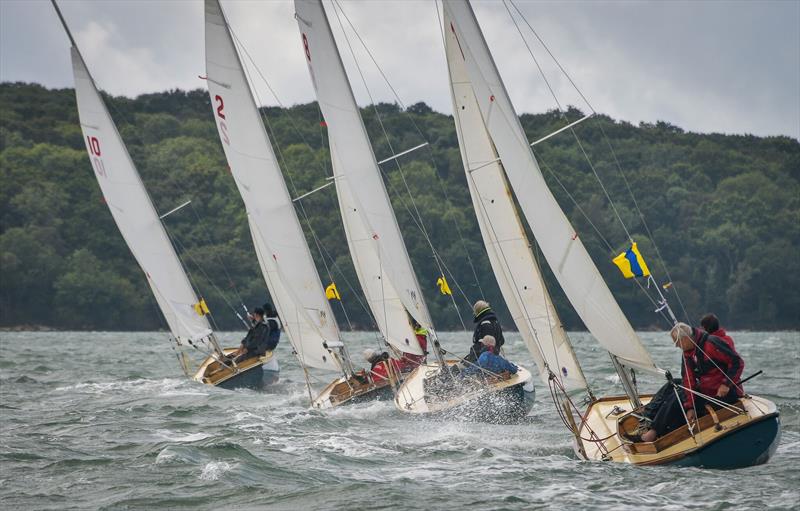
{"points": [[223, 128], [93, 145]]}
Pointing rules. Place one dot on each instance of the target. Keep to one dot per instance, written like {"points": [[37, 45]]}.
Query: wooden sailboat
{"points": [[379, 254], [281, 247], [143, 231], [738, 435]]}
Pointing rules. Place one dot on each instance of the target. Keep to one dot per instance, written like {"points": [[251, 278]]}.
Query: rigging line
{"points": [[188, 254], [216, 254], [420, 223], [641, 216], [541, 41], [564, 116], [417, 129], [605, 137], [318, 243], [596, 230]]}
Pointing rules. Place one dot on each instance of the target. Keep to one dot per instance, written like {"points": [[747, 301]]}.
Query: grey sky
{"points": [[720, 66]]}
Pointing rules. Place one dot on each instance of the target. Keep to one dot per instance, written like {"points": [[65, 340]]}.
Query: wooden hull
{"points": [[255, 373], [730, 440], [341, 391], [503, 402]]}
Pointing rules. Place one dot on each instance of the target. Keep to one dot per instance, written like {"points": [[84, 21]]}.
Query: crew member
{"points": [[274, 325], [255, 342], [489, 361], [710, 366], [486, 323]]}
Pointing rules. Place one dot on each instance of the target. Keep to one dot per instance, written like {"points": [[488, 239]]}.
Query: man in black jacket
{"points": [[486, 323], [254, 343]]}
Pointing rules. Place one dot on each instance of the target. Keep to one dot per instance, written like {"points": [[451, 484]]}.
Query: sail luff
{"points": [[133, 210], [282, 250], [379, 253], [507, 245], [562, 247]]}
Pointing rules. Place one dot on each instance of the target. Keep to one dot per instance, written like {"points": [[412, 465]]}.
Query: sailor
{"points": [[409, 360], [710, 366], [274, 325], [489, 361], [486, 323], [378, 364], [255, 342]]}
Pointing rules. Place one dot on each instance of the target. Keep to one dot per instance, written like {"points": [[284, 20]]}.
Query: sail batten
{"points": [[133, 211], [379, 254], [282, 250], [559, 242]]}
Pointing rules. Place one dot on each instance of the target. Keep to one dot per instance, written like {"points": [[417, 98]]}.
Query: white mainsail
{"points": [[133, 211], [281, 247], [570, 262], [376, 245], [507, 245]]}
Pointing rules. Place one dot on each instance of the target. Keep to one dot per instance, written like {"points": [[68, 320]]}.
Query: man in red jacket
{"points": [[710, 366]]}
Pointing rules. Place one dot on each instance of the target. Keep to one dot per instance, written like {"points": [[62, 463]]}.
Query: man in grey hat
{"points": [[486, 323]]}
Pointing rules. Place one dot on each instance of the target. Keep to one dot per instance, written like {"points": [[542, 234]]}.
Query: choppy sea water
{"points": [[106, 421]]}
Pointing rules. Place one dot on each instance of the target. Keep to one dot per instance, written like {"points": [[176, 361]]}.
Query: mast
{"points": [[507, 245], [562, 248], [382, 263], [134, 212], [283, 254]]}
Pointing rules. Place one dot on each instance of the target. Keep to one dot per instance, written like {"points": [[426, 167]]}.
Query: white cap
{"points": [[488, 340], [369, 353]]}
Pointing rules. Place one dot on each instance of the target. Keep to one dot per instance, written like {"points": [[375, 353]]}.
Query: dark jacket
{"points": [[274, 336], [713, 363], [255, 342], [486, 323]]}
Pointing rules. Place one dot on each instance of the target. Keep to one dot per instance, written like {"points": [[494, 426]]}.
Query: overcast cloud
{"points": [[718, 66]]}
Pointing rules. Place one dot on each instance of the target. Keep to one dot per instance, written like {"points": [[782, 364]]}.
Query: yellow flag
{"points": [[631, 263], [331, 293], [201, 308], [444, 288]]}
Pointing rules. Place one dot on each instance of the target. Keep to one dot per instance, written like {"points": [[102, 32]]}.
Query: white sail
{"points": [[376, 245], [507, 245], [281, 247], [133, 211], [560, 244]]}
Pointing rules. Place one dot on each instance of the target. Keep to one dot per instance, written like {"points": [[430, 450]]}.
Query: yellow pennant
{"points": [[444, 288], [201, 308], [331, 293]]}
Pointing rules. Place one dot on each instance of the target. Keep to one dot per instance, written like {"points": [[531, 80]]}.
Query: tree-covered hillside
{"points": [[724, 210]]}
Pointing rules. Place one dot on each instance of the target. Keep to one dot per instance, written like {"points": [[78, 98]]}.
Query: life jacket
{"points": [[712, 363]]}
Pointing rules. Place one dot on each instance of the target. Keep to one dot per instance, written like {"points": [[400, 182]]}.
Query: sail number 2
{"points": [[223, 128], [93, 145]]}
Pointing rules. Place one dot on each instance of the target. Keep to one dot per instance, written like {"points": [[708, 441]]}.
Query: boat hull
{"points": [[499, 402], [752, 445], [339, 393], [255, 373], [729, 440]]}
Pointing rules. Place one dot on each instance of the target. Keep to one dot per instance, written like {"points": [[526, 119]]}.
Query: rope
{"points": [[416, 215], [606, 139]]}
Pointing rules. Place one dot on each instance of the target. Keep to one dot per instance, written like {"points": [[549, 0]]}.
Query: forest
{"points": [[716, 216]]}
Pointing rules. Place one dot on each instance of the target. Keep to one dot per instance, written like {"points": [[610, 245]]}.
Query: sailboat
{"points": [[376, 245], [283, 253], [142, 228], [743, 434]]}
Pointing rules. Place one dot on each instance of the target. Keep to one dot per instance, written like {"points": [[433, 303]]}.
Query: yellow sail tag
{"points": [[631, 263], [331, 293], [444, 288], [201, 308]]}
